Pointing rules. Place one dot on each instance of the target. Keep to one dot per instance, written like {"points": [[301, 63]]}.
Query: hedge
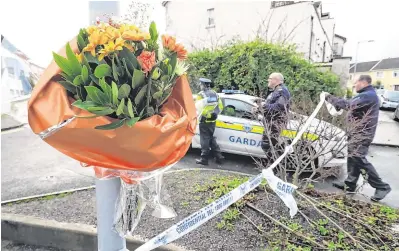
{"points": [[247, 66]]}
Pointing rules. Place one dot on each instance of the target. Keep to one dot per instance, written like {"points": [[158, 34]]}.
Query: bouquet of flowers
{"points": [[121, 72], [116, 99]]}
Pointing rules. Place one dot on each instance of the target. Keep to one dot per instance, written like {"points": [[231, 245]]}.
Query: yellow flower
{"points": [[79, 57], [112, 33], [91, 48], [111, 47], [126, 27], [135, 36], [91, 29], [98, 38]]}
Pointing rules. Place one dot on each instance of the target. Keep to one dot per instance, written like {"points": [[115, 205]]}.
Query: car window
{"points": [[236, 108], [392, 95], [380, 92]]}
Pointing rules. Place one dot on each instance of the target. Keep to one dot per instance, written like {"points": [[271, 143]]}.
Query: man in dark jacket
{"points": [[362, 118], [275, 114]]}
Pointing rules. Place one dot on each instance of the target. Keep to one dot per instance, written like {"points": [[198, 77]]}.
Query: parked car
{"points": [[237, 132], [396, 114], [388, 99]]}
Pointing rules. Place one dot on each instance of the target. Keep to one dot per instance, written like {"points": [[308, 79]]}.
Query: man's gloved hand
{"points": [[324, 95]]}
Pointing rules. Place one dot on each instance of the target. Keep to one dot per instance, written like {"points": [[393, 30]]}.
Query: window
{"points": [[11, 72], [236, 108], [396, 87], [392, 95], [211, 18], [395, 74], [380, 74], [380, 92]]}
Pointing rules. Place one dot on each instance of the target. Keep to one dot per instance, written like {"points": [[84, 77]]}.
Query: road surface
{"points": [[30, 167]]}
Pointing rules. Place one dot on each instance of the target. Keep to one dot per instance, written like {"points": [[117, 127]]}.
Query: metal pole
{"points": [[107, 192]]}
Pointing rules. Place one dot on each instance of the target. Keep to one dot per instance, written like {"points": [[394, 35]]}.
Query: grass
{"points": [[371, 225]]}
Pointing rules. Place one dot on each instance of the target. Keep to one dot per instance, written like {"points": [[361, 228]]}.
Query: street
{"points": [[31, 167]]}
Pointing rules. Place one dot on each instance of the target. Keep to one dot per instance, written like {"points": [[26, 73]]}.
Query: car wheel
{"points": [[292, 160]]}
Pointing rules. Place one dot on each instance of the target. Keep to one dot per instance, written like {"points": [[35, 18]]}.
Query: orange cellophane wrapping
{"points": [[150, 144]]}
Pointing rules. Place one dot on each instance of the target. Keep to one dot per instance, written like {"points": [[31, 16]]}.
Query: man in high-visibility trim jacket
{"points": [[211, 106]]}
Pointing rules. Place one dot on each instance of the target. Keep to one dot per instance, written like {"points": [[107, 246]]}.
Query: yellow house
{"points": [[384, 72]]}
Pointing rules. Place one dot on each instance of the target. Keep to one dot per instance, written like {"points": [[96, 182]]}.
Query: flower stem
{"points": [[150, 81]]}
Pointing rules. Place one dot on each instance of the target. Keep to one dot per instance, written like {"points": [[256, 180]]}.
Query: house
{"points": [[385, 73], [338, 46], [18, 74], [209, 24]]}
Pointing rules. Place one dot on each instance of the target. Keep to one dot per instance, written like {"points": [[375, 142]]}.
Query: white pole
{"points": [[107, 192]]}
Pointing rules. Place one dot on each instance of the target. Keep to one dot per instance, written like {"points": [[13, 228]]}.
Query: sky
{"points": [[38, 27]]}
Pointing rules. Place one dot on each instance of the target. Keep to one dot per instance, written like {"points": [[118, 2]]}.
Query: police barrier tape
{"points": [[283, 190]]}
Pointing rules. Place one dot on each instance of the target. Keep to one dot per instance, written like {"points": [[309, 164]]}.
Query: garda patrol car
{"points": [[237, 132]]}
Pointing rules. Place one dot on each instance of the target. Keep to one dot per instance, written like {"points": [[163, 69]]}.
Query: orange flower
{"points": [[146, 60], [168, 42], [181, 51]]}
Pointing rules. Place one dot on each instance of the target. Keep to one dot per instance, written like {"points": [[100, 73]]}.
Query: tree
{"points": [[247, 66]]}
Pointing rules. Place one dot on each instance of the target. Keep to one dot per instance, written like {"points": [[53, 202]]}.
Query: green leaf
{"points": [[66, 77], [96, 95], [73, 61], [130, 123], [81, 41], [121, 106], [102, 111], [83, 105], [140, 96], [138, 78], [126, 68], [102, 70], [130, 108], [79, 91], [157, 95], [95, 80], [156, 74], [165, 79], [111, 126], [173, 63], [90, 58], [85, 74], [63, 63], [124, 91], [131, 60], [106, 89], [153, 31], [114, 93], [68, 86], [114, 70], [78, 80], [86, 63], [150, 111]]}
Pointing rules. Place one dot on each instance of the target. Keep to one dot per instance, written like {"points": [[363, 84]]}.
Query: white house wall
{"points": [[291, 24]]}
